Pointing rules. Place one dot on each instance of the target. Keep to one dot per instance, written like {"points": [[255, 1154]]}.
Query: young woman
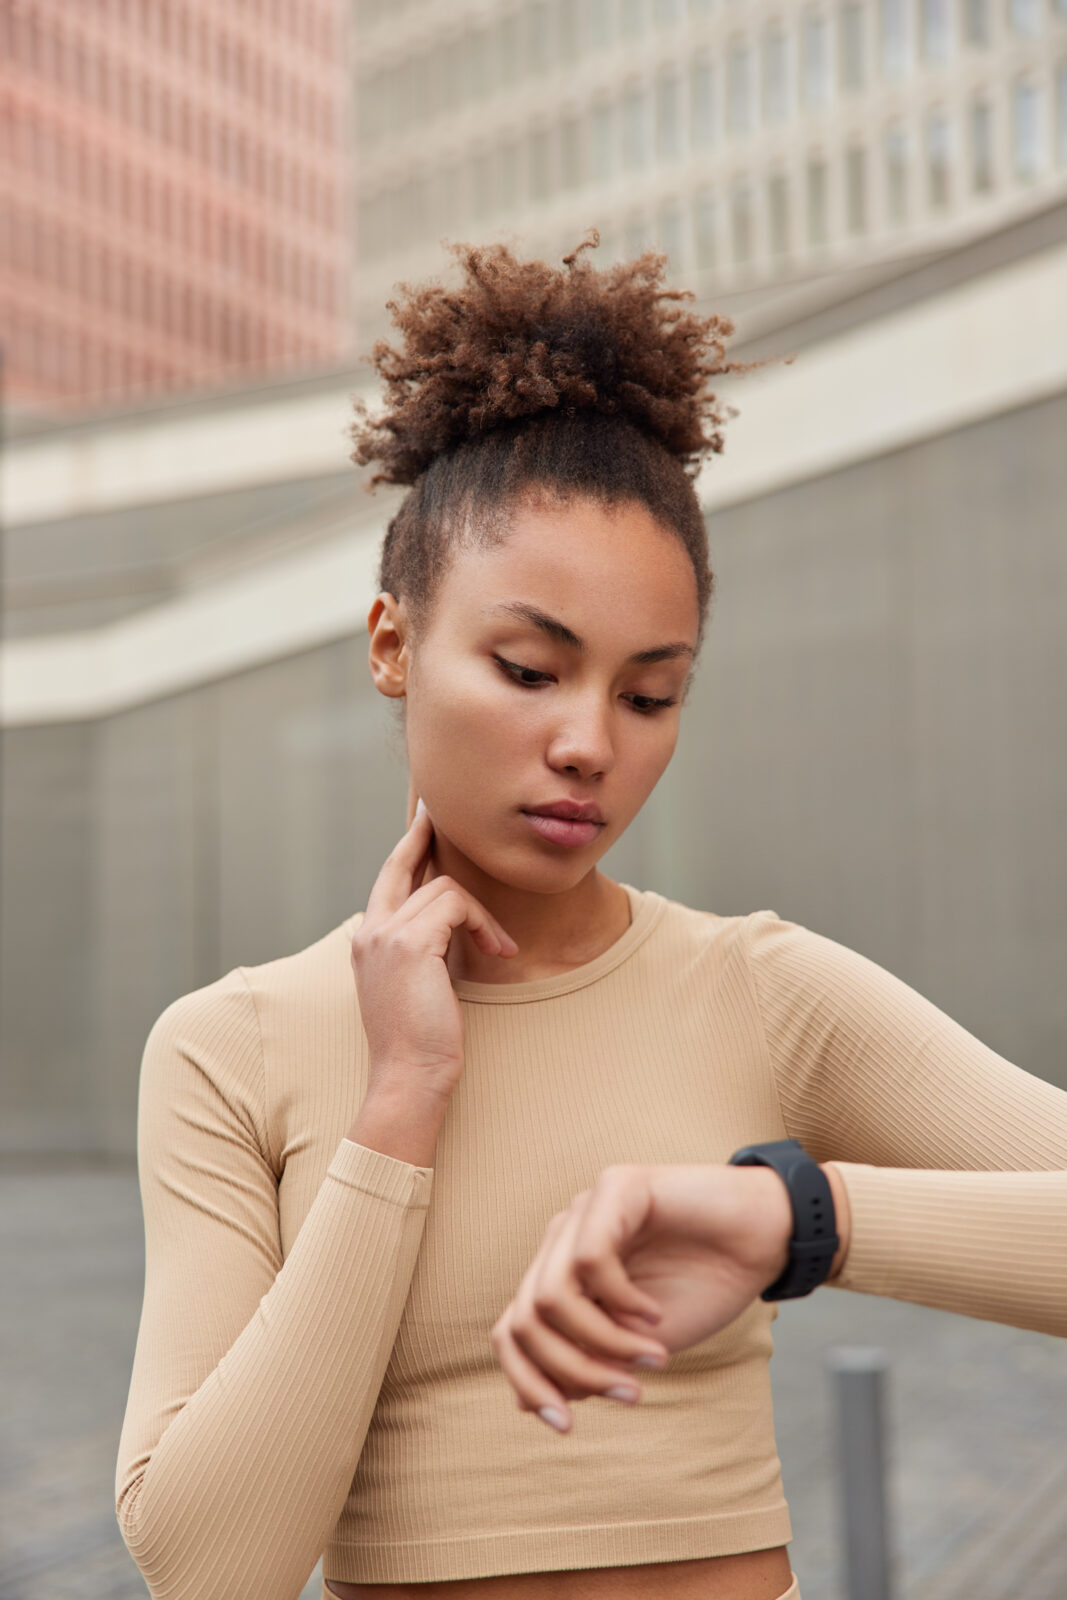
{"points": [[394, 1226]]}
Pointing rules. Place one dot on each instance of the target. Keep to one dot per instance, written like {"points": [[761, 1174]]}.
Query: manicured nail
{"points": [[650, 1360], [554, 1417], [618, 1392], [420, 807]]}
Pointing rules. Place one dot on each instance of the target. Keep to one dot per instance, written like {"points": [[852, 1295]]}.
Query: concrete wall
{"points": [[874, 748]]}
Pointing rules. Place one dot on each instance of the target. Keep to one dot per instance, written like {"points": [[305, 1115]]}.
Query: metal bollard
{"points": [[859, 1386]]}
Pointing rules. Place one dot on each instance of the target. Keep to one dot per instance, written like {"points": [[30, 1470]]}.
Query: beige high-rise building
{"points": [[761, 143]]}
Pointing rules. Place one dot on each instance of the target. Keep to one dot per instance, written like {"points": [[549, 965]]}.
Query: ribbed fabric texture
{"points": [[313, 1372]]}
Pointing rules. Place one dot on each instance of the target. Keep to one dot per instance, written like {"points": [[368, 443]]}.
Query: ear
{"points": [[388, 651]]}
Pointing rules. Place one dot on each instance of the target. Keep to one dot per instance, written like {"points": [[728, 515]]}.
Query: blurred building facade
{"points": [[177, 194], [764, 143], [198, 774]]}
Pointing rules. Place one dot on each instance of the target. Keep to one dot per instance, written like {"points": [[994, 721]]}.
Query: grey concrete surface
{"points": [[974, 1414]]}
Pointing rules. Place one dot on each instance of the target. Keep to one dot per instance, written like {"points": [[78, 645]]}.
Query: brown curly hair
{"points": [[576, 380]]}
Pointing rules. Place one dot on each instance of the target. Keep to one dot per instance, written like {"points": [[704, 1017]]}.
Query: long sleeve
{"points": [[254, 1380], [954, 1159]]}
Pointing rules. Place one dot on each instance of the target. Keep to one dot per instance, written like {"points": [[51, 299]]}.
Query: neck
{"points": [[554, 932]]}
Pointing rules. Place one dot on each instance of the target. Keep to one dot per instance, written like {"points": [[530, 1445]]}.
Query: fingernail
{"points": [[618, 1392], [554, 1417], [650, 1360], [420, 807]]}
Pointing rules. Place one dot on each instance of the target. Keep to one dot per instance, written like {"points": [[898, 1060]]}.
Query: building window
{"points": [[977, 22], [738, 87], [480, 70], [507, 175], [775, 107], [1025, 17], [851, 48], [635, 236], [818, 199], [538, 36], [702, 103], [815, 59], [633, 127], [856, 189], [1027, 141], [540, 164], [741, 222], [631, 21], [669, 230], [568, 23], [778, 213], [704, 229], [937, 160], [507, 49], [601, 16], [894, 39], [570, 153], [935, 31], [482, 185], [601, 141], [981, 122], [668, 114]]}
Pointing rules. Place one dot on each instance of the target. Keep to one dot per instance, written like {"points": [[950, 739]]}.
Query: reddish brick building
{"points": [[174, 193]]}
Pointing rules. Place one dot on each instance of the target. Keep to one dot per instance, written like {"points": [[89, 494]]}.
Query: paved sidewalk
{"points": [[975, 1413]]}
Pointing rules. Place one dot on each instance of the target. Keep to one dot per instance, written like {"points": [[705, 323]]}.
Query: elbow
{"points": [[160, 1547]]}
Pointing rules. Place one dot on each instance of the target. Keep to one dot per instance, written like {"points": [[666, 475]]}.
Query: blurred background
{"points": [[203, 213]]}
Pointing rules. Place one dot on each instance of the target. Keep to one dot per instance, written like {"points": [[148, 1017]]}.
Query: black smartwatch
{"points": [[814, 1242]]}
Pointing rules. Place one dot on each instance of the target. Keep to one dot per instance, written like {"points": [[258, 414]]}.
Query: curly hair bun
{"points": [[521, 338]]}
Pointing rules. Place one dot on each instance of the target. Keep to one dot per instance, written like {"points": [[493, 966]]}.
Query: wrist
{"points": [[842, 1216], [400, 1120], [768, 1211]]}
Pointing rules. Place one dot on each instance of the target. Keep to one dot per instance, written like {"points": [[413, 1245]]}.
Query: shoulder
{"points": [[225, 1017], [733, 933]]}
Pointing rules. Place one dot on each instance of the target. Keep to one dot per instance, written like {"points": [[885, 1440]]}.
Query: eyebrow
{"points": [[563, 635]]}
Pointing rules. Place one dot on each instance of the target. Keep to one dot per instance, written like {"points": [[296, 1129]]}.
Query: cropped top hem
{"points": [[556, 1549]]}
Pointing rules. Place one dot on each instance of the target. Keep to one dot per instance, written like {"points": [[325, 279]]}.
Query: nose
{"points": [[581, 742]]}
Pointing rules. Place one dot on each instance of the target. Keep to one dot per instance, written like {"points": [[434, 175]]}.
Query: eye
{"points": [[512, 668], [646, 705]]}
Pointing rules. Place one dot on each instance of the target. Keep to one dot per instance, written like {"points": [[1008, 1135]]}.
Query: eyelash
{"points": [[509, 668]]}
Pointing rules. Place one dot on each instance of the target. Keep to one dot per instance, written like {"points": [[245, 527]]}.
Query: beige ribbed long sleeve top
{"points": [[313, 1372]]}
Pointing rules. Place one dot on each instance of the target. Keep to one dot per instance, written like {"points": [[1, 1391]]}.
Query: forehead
{"points": [[607, 571]]}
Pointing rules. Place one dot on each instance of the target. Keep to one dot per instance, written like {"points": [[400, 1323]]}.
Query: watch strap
{"points": [[814, 1241]]}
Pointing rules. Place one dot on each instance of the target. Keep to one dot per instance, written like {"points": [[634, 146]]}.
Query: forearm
{"points": [[983, 1244], [240, 1491], [399, 1122], [842, 1217]]}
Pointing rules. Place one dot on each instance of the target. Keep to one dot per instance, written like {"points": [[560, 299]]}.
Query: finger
{"points": [[463, 909], [553, 1299], [617, 1209], [533, 1390], [397, 877], [412, 802], [573, 1370]]}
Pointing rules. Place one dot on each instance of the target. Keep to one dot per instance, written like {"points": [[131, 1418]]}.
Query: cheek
{"points": [[467, 732]]}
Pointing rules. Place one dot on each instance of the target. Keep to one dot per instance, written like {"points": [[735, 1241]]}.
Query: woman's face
{"points": [[528, 686]]}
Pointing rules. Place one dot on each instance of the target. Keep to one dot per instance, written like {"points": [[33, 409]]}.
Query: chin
{"points": [[528, 868]]}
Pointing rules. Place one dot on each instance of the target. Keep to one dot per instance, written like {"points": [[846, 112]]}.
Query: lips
{"points": [[566, 822], [569, 810]]}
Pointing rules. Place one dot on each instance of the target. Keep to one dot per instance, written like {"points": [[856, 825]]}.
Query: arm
{"points": [[254, 1380], [952, 1159], [985, 1244]]}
